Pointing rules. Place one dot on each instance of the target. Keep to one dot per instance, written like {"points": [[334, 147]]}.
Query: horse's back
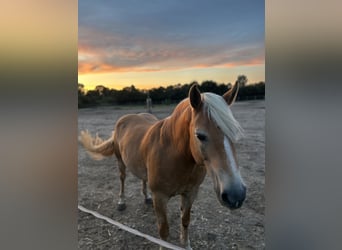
{"points": [[129, 132], [140, 122]]}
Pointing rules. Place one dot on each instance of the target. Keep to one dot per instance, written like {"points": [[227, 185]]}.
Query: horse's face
{"points": [[211, 147]]}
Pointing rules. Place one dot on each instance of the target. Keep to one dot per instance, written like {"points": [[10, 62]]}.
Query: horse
{"points": [[174, 154]]}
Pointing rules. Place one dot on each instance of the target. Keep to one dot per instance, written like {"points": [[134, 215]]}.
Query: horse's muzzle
{"points": [[234, 197]]}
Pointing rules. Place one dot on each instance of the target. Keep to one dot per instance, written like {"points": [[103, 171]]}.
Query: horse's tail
{"points": [[96, 147]]}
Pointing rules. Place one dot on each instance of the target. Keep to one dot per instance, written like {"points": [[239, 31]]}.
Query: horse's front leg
{"points": [[160, 205], [186, 202], [148, 198]]}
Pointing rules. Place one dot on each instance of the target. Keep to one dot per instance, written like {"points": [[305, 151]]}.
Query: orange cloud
{"points": [[144, 56], [251, 62], [100, 68]]}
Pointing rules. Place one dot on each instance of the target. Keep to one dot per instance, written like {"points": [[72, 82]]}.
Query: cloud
{"points": [[122, 37]]}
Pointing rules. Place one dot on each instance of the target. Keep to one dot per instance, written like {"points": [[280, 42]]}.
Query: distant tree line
{"points": [[103, 96]]}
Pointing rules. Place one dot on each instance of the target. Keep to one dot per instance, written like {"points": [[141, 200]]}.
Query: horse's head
{"points": [[213, 130]]}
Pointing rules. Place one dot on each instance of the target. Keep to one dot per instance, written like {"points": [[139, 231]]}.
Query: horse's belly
{"points": [[130, 131], [135, 164]]}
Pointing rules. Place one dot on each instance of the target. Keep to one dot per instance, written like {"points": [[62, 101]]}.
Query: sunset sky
{"points": [[159, 43]]}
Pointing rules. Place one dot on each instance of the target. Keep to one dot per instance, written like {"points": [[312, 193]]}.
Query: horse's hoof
{"points": [[121, 207], [148, 201]]}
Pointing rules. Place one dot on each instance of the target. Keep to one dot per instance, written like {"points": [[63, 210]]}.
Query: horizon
{"points": [[123, 43], [165, 86]]}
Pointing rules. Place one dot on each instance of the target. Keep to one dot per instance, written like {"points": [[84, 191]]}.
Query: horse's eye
{"points": [[201, 137]]}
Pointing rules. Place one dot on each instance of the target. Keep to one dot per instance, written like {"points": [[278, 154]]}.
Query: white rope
{"points": [[131, 230]]}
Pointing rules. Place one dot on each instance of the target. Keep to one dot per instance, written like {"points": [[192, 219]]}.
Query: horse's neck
{"points": [[176, 127]]}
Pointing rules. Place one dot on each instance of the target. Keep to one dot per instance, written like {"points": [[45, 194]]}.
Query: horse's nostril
{"points": [[233, 199], [224, 197]]}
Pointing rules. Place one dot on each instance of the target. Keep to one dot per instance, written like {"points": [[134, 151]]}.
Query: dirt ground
{"points": [[212, 226]]}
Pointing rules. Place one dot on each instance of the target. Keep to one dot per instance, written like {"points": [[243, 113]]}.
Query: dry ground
{"points": [[212, 226]]}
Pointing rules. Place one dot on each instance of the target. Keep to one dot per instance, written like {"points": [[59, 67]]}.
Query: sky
{"points": [[159, 43]]}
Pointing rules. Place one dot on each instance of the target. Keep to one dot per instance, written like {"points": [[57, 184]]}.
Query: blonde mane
{"points": [[219, 111]]}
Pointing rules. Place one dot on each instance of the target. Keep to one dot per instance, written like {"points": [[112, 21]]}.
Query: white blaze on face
{"points": [[231, 160]]}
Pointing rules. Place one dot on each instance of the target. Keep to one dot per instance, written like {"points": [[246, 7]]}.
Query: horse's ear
{"points": [[195, 97], [231, 94]]}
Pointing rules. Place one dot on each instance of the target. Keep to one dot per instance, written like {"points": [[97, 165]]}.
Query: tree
{"points": [[242, 80], [209, 86], [101, 95], [82, 99], [80, 88], [101, 89], [222, 88]]}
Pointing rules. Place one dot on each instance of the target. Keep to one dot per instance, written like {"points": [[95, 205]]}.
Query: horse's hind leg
{"points": [[159, 203], [148, 198], [186, 203], [122, 203]]}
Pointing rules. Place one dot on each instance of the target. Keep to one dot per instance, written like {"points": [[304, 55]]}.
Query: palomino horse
{"points": [[173, 155]]}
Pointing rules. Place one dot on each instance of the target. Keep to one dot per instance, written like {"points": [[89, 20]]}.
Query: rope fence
{"points": [[131, 230]]}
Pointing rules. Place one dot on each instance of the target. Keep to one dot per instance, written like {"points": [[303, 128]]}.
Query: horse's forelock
{"points": [[220, 113]]}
